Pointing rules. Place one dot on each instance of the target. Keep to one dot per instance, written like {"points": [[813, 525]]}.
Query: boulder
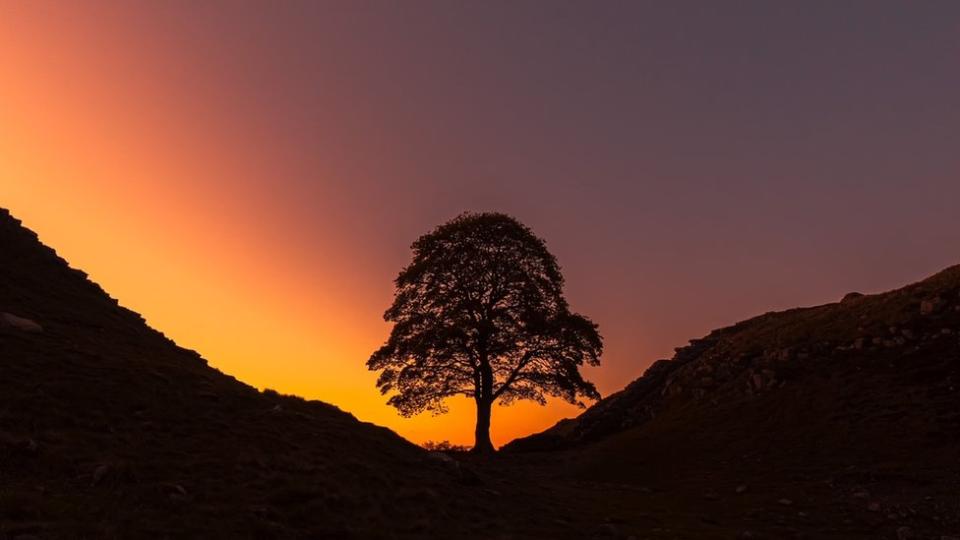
{"points": [[850, 297], [931, 305], [9, 320]]}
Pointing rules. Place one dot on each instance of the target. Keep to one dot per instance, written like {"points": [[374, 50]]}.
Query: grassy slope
{"points": [[109, 430], [851, 411]]}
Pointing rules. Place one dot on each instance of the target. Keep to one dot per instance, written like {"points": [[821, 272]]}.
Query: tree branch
{"points": [[516, 371]]}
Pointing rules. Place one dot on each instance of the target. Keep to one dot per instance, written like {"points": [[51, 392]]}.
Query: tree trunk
{"points": [[482, 444], [484, 399]]}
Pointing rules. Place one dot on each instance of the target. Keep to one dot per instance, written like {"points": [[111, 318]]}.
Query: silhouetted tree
{"points": [[480, 313]]}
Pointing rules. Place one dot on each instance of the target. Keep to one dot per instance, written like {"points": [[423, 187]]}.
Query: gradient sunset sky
{"points": [[249, 175]]}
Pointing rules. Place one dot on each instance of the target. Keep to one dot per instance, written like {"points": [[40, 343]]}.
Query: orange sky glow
{"points": [[197, 181], [102, 159]]}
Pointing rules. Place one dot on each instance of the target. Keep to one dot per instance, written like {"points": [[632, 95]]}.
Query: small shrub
{"points": [[444, 446]]}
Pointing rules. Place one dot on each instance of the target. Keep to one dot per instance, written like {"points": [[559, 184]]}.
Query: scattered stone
{"points": [[31, 447], [741, 489], [442, 457], [785, 502], [931, 305], [99, 474], [873, 507], [9, 320], [176, 489]]}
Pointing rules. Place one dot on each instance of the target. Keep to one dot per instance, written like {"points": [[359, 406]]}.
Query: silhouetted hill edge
{"points": [[917, 325]]}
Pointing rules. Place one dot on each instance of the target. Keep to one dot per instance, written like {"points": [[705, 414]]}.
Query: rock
{"points": [[741, 489], [442, 458], [873, 507], [31, 447], [99, 474], [9, 320], [785, 502], [175, 489], [850, 297], [763, 380], [931, 305]]}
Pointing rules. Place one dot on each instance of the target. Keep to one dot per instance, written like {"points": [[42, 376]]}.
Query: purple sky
{"points": [[690, 163]]}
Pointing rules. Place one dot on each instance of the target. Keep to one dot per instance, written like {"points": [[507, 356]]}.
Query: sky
{"points": [[250, 175]]}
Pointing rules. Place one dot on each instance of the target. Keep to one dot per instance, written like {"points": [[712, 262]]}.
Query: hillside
{"points": [[902, 346], [839, 421], [110, 430], [842, 419]]}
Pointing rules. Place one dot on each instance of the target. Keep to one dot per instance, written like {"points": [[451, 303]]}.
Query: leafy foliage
{"points": [[444, 446], [480, 312]]}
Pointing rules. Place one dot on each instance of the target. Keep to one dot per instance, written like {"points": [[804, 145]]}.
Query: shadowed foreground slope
{"points": [[842, 419], [839, 421], [109, 430]]}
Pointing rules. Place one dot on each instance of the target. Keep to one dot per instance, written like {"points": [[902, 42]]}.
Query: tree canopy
{"points": [[480, 313]]}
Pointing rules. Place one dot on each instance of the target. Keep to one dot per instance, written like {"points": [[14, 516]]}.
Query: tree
{"points": [[480, 313]]}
